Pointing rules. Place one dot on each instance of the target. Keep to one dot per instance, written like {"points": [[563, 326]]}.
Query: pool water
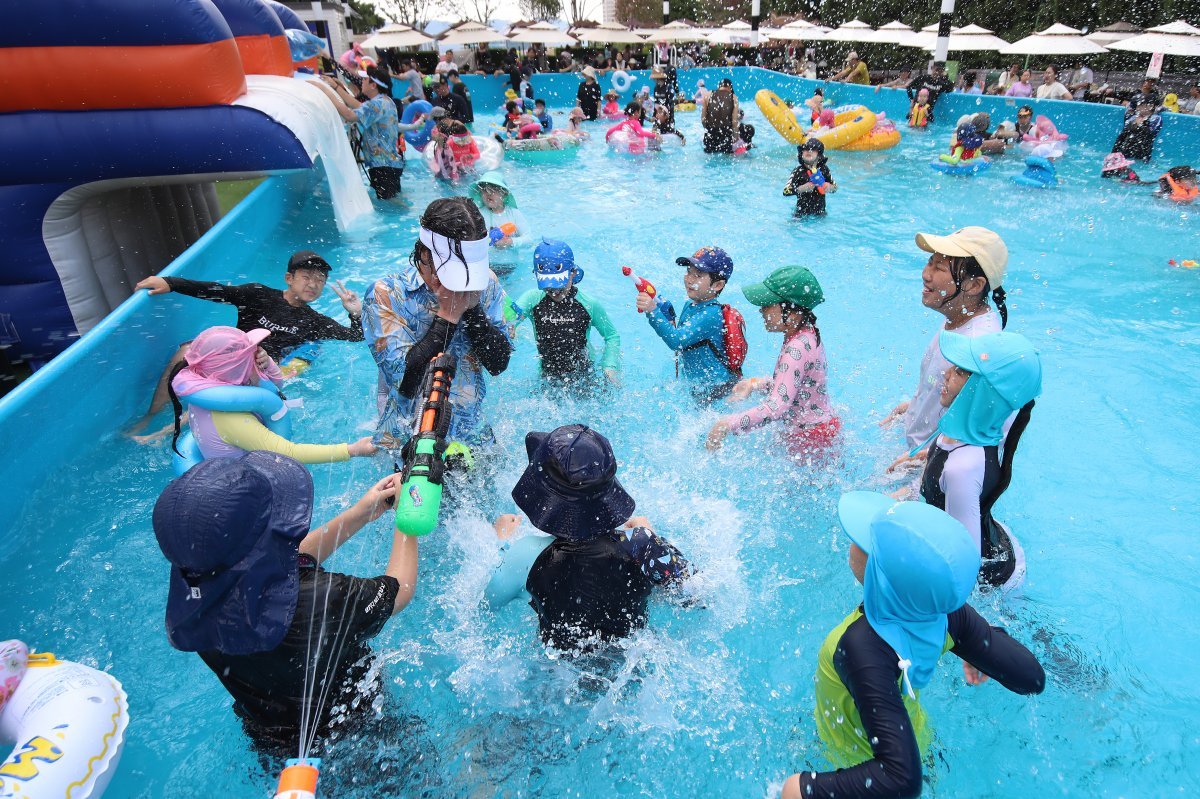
{"points": [[715, 697]]}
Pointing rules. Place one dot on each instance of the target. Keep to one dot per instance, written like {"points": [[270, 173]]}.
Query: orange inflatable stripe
{"points": [[265, 55], [312, 63], [160, 76]]}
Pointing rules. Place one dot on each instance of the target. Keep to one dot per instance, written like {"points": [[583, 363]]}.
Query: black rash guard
{"points": [[262, 306], [867, 667], [488, 345], [995, 547], [600, 587], [588, 98], [808, 203], [562, 331]]}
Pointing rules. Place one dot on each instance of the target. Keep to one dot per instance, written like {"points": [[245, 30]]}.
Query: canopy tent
{"points": [[854, 31], [396, 35], [1176, 38], [470, 33], [893, 33], [736, 32], [970, 38], [609, 32], [1058, 39], [798, 31], [1113, 33], [540, 33]]}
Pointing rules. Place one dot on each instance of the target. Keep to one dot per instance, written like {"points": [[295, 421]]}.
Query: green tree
{"points": [[541, 9], [368, 20]]}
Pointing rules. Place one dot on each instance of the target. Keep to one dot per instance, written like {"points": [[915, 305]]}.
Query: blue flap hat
{"points": [[570, 488], [554, 265], [231, 528], [1006, 373], [713, 260], [921, 566]]}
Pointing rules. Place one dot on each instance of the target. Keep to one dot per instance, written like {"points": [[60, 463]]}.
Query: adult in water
{"points": [[295, 326], [591, 577], [247, 592], [990, 378], [964, 269], [720, 119], [446, 301], [917, 565]]}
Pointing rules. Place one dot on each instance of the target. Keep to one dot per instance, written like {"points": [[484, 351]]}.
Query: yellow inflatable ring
{"points": [[850, 124], [685, 106], [880, 137], [782, 118]]}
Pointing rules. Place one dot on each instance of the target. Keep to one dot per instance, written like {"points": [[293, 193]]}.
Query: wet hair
{"points": [[540, 102], [510, 107], [456, 128], [1182, 173], [456, 218], [805, 316], [1010, 451], [634, 109], [966, 268], [819, 91]]}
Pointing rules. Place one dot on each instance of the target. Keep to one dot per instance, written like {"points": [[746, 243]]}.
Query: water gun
{"points": [[1186, 263], [504, 231], [419, 501], [644, 285], [818, 179], [298, 780]]}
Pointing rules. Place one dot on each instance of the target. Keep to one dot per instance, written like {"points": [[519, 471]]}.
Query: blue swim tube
{"points": [[264, 403], [418, 138]]}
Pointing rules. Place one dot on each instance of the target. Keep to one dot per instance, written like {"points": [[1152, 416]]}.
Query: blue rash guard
{"points": [[699, 339]]}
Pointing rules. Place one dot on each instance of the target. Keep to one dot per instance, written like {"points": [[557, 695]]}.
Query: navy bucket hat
{"points": [[231, 528], [570, 488]]}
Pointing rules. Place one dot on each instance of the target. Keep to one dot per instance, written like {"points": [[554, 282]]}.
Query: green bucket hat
{"points": [[493, 178], [793, 284]]}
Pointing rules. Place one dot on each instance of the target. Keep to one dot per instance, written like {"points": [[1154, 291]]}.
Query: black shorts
{"points": [[385, 180]]}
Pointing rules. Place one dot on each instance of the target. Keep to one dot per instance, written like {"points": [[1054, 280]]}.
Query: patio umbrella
{"points": [[853, 31], [1058, 39], [396, 35], [677, 31], [608, 32], [540, 33], [893, 33], [1176, 38], [736, 32], [970, 38], [1113, 33], [798, 31], [470, 33]]}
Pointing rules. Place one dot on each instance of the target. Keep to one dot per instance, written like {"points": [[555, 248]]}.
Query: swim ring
{"points": [[1039, 174], [622, 81], [67, 722], [884, 135], [689, 106], [264, 403], [543, 149], [780, 116], [850, 123], [1044, 132], [624, 142], [972, 167], [420, 137]]}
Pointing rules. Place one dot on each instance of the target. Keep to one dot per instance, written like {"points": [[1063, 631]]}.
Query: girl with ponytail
{"points": [[962, 281]]}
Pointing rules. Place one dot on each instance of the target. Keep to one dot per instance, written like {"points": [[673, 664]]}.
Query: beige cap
{"points": [[977, 242], [590, 72], [853, 55]]}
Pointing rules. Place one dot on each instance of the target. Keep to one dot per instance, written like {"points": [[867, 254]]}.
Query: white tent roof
{"points": [[799, 31], [1113, 33], [1176, 38], [677, 31], [1058, 39], [396, 35], [853, 31], [540, 33], [970, 38], [608, 32], [470, 33], [893, 32]]}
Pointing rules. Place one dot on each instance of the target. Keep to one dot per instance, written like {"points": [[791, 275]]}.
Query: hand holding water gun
{"points": [[818, 180], [419, 500], [505, 231], [645, 287]]}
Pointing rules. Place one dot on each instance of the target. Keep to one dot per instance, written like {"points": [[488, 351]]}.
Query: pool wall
{"points": [[77, 396], [1091, 123]]}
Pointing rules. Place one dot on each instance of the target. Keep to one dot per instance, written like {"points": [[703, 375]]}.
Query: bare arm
{"points": [[323, 541], [343, 109]]}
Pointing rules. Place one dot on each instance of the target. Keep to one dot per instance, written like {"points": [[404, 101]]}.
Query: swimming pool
{"points": [[715, 698]]}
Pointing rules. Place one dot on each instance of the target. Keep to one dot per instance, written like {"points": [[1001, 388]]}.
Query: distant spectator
{"points": [[1081, 80], [446, 63], [1147, 94], [855, 71], [900, 82], [1191, 103], [1008, 78], [1051, 89], [1022, 88], [973, 84]]}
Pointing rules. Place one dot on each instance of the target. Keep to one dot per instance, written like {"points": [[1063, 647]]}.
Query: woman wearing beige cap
{"points": [[964, 271]]}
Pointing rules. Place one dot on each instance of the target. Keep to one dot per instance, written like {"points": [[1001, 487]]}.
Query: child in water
{"points": [[917, 566], [664, 124], [919, 111], [990, 377], [612, 107], [1178, 184], [811, 180], [575, 124], [700, 336], [542, 116], [630, 128], [499, 208], [562, 317], [221, 357], [796, 394], [1116, 165], [455, 151]]}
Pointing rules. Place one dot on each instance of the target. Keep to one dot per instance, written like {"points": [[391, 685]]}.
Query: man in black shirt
{"points": [[458, 87], [455, 104], [935, 83], [295, 327], [247, 593]]}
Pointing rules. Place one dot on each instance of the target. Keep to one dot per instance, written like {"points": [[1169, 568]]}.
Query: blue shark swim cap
{"points": [[554, 265]]}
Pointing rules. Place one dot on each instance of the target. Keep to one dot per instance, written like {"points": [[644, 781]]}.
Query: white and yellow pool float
{"points": [[780, 116], [855, 127]]}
